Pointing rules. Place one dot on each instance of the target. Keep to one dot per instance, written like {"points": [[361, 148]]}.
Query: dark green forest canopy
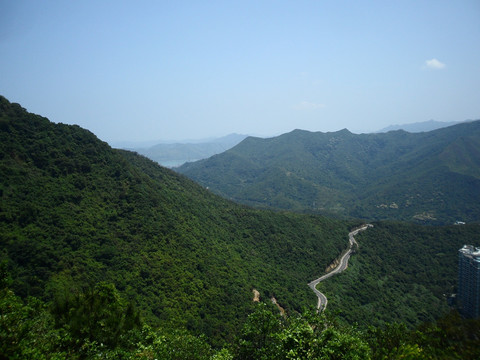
{"points": [[73, 210], [98, 324], [431, 177]]}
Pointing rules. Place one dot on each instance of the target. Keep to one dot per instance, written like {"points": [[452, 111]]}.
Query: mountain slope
{"points": [[431, 176], [75, 211]]}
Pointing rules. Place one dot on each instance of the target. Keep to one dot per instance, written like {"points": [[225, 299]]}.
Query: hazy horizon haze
{"points": [[158, 70]]}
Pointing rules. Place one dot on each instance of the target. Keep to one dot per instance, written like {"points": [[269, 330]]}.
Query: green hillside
{"points": [[431, 177], [75, 211]]}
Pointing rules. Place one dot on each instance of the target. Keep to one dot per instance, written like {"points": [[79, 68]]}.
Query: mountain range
{"points": [[429, 177], [176, 153]]}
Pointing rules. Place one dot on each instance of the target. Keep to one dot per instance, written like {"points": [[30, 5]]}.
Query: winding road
{"points": [[322, 299]]}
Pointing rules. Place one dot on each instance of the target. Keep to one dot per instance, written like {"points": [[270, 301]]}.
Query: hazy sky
{"points": [[144, 70]]}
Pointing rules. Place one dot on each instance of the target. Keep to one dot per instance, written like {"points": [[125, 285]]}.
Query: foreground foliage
{"points": [[96, 324], [32, 329]]}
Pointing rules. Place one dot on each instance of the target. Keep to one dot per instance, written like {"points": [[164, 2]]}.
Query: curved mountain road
{"points": [[322, 299]]}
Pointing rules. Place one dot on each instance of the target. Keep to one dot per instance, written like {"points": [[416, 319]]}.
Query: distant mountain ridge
{"points": [[420, 126], [431, 177], [175, 154]]}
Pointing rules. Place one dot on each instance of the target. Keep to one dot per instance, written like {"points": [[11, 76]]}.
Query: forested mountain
{"points": [[126, 259], [75, 211], [176, 154], [431, 177]]}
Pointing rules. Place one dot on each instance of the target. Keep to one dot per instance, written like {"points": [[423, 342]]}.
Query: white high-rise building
{"points": [[468, 296]]}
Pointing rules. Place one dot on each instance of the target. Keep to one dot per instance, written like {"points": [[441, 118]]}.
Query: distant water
{"points": [[176, 163]]}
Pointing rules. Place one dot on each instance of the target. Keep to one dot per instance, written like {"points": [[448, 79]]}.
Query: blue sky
{"points": [[147, 70]]}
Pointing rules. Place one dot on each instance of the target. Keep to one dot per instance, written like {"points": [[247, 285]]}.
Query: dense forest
{"points": [[75, 211], [97, 323], [105, 254], [428, 178]]}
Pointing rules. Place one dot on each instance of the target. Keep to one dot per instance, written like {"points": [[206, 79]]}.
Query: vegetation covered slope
{"points": [[429, 177], [75, 212], [97, 324]]}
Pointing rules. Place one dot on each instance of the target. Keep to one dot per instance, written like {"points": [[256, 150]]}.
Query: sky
{"points": [[171, 70]]}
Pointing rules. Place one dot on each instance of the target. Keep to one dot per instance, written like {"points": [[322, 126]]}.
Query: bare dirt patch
{"points": [[281, 309], [256, 295]]}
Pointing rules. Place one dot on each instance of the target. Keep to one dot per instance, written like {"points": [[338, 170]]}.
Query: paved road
{"points": [[322, 299]]}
